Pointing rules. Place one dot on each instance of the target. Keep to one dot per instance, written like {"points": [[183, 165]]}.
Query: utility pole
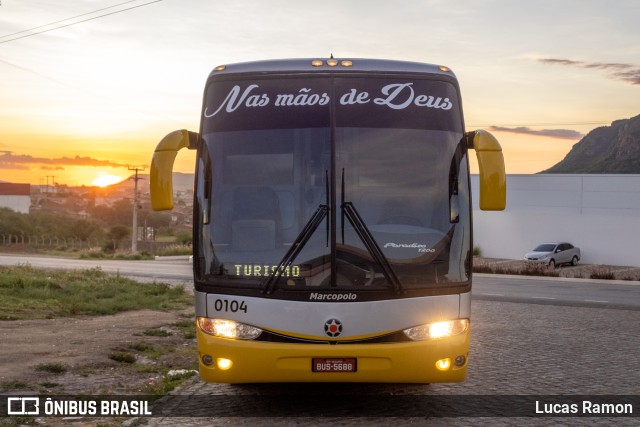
{"points": [[134, 233], [52, 182]]}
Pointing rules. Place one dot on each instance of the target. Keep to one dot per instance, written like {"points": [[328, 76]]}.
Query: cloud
{"points": [[628, 73], [551, 133], [8, 160], [560, 61]]}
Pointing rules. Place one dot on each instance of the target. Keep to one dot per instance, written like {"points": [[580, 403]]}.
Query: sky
{"points": [[89, 87]]}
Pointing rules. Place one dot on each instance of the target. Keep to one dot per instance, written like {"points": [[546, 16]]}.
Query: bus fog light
{"points": [[436, 330], [460, 360], [443, 364], [228, 329], [207, 360], [224, 364]]}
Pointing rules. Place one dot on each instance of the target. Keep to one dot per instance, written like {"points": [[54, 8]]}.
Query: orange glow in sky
{"points": [[83, 98], [104, 179]]}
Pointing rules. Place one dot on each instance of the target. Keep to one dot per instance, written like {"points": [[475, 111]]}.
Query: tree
{"points": [[123, 211], [12, 222], [117, 233], [119, 213], [155, 219], [185, 237], [83, 229]]}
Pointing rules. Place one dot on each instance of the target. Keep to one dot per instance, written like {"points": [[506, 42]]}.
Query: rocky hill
{"points": [[608, 149]]}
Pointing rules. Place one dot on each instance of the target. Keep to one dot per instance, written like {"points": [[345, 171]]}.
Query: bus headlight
{"points": [[437, 330], [228, 329]]}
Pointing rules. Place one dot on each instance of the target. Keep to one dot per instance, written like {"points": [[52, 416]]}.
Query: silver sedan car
{"points": [[554, 254]]}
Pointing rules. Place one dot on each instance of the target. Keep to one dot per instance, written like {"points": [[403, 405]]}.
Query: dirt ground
{"points": [[127, 353]]}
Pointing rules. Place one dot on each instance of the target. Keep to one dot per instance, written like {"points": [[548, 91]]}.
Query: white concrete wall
{"points": [[598, 213], [17, 203]]}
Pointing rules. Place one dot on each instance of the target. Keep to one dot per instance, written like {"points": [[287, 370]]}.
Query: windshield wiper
{"points": [[358, 224], [307, 231]]}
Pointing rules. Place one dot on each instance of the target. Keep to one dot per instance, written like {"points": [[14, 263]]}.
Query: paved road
{"points": [[518, 349], [558, 291]]}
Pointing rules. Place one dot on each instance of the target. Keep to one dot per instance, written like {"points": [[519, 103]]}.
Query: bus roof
{"points": [[332, 65]]}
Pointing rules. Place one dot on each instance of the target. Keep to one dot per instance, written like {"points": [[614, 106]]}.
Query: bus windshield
{"points": [[344, 183]]}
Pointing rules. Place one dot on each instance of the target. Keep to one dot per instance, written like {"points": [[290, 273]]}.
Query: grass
{"points": [[13, 385], [525, 269], [29, 293], [141, 347], [97, 253], [49, 384], [16, 421], [148, 350], [601, 272], [52, 368], [165, 385], [157, 333], [122, 357], [174, 250], [187, 327]]}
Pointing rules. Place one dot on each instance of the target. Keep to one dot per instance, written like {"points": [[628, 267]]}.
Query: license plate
{"points": [[321, 364]]}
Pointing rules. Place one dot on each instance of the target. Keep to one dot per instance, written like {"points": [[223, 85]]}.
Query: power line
{"points": [[66, 19], [76, 22]]}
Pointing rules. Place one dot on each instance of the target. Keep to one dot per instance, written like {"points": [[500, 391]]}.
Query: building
{"points": [[16, 197], [598, 213]]}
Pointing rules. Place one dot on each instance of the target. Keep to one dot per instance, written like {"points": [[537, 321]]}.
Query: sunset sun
{"points": [[104, 179]]}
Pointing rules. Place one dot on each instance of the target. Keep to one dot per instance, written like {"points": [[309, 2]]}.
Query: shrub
{"points": [[157, 333], [122, 357], [52, 368], [175, 250], [535, 269], [601, 272]]}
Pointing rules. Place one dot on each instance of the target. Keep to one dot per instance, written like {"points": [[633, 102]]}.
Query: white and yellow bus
{"points": [[332, 223]]}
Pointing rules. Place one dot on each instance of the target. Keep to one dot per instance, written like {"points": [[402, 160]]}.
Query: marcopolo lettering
{"points": [[317, 296]]}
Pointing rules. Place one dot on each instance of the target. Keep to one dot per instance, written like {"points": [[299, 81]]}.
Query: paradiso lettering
{"points": [[255, 270], [396, 96]]}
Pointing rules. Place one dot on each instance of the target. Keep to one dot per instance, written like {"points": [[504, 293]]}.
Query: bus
{"points": [[332, 230]]}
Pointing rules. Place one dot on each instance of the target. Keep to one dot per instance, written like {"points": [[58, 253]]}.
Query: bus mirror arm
{"points": [[493, 181], [161, 172]]}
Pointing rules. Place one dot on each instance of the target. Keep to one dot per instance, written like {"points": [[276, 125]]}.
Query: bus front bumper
{"points": [[224, 360]]}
